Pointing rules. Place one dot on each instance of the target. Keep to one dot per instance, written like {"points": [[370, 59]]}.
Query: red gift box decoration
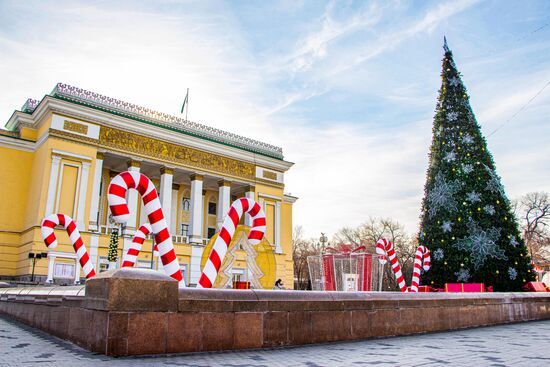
{"points": [[464, 287]]}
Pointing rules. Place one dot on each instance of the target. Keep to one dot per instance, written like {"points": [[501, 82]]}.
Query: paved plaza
{"points": [[526, 344]]}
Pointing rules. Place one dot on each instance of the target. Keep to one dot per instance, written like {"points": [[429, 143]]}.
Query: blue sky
{"points": [[348, 89]]}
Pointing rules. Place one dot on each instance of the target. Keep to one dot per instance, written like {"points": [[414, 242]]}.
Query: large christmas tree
{"points": [[467, 221]]}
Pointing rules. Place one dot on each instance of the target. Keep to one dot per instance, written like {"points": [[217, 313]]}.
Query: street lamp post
{"points": [[34, 257], [323, 239]]}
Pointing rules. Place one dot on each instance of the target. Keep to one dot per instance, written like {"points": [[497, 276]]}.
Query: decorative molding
{"points": [[129, 142], [269, 175], [267, 196], [97, 117], [289, 199], [196, 177], [133, 163], [166, 171], [15, 143], [30, 105], [225, 183], [68, 124], [134, 111], [71, 155], [270, 183], [75, 127]]}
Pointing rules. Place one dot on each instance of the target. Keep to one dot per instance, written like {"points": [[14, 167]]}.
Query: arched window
{"points": [[186, 203]]}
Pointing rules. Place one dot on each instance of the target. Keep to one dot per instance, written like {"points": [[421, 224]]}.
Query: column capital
{"points": [[100, 155], [203, 192], [250, 188], [224, 183], [176, 187], [166, 171], [196, 177], [133, 163]]}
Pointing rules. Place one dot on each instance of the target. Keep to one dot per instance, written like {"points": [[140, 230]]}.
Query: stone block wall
{"points": [[136, 311]]}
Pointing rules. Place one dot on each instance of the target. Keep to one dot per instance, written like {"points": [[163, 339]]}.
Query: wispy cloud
{"points": [[347, 89]]}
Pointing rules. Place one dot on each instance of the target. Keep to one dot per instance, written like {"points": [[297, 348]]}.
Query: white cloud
{"points": [[345, 171]]}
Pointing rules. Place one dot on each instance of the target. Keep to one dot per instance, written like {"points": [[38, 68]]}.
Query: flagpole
{"points": [[187, 110]]}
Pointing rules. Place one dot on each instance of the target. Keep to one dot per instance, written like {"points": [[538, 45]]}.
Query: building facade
{"points": [[59, 154]]}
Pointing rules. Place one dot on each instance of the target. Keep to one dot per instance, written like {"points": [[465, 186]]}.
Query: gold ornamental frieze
{"points": [[75, 126], [130, 142]]}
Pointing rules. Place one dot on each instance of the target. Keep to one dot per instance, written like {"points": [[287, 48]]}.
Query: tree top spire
{"points": [[445, 45]]}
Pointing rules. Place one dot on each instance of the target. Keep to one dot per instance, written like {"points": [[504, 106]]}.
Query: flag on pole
{"points": [[185, 102]]}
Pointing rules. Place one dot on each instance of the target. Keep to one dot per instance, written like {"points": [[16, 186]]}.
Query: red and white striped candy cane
{"points": [[215, 260], [130, 257], [385, 248], [119, 208], [421, 260], [48, 234]]}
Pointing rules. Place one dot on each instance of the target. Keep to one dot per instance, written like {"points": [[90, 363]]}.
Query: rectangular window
{"points": [[211, 232], [103, 264], [64, 271], [212, 208], [184, 229]]}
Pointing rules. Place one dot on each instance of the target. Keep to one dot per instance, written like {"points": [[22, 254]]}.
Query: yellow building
{"points": [[59, 154]]}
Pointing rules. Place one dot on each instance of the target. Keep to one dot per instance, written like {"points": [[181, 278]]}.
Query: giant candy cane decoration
{"points": [[48, 234], [385, 248], [421, 260], [119, 208], [130, 257], [238, 208]]}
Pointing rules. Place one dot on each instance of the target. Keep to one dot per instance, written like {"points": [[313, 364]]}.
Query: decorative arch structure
{"points": [[258, 260]]}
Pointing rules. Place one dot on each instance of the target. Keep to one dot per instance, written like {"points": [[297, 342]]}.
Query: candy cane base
{"points": [[385, 248], [421, 260], [48, 234], [118, 206]]}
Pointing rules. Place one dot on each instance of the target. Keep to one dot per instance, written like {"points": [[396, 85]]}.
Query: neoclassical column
{"points": [[195, 228], [166, 177], [174, 213], [196, 210], [130, 229], [82, 195], [249, 193], [277, 229], [52, 186], [224, 198], [94, 247], [76, 271], [93, 224], [51, 263]]}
